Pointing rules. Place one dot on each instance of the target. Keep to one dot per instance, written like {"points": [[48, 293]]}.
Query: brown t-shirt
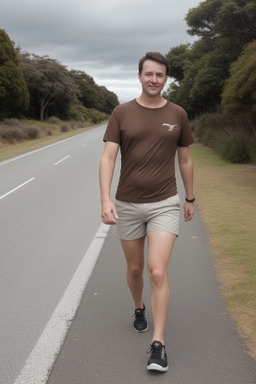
{"points": [[148, 139]]}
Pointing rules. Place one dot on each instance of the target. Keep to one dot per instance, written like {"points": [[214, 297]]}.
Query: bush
{"points": [[78, 112], [54, 120], [64, 128], [235, 149], [96, 116], [230, 138], [32, 132], [11, 122], [11, 135]]}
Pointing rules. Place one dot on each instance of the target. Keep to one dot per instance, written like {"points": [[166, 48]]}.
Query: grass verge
{"points": [[11, 150], [226, 195]]}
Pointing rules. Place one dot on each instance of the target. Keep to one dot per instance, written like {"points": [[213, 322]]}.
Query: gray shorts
{"points": [[135, 220]]}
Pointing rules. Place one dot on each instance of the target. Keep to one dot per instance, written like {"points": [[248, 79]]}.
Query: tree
{"points": [[178, 57], [224, 26], [50, 85], [14, 96], [239, 94], [235, 19], [93, 95], [86, 85]]}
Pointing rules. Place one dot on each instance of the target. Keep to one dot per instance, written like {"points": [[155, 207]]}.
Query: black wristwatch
{"points": [[190, 201]]}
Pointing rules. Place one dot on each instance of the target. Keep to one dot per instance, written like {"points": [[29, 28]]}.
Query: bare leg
{"points": [[160, 245], [134, 254]]}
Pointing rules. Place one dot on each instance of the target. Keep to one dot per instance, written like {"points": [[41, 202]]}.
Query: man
{"points": [[148, 131]]}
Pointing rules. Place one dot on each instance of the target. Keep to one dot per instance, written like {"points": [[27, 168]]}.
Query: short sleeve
{"points": [[186, 137], [113, 130]]}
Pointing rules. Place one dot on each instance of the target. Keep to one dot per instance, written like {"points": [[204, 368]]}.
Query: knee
{"points": [[135, 270], [157, 276]]}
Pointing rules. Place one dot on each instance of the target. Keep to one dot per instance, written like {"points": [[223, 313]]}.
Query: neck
{"points": [[151, 102]]}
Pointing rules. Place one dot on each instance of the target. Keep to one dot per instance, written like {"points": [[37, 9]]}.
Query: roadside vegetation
{"points": [[215, 77], [35, 87], [20, 136], [226, 196]]}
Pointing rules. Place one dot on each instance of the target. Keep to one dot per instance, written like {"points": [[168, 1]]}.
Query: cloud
{"points": [[105, 39]]}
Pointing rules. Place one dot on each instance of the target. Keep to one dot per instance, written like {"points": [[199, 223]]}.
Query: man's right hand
{"points": [[109, 213]]}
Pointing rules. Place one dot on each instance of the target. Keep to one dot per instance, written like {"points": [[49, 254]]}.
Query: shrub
{"points": [[228, 137], [53, 120], [78, 112], [11, 135], [32, 132], [96, 116], [64, 128], [11, 122], [235, 149]]}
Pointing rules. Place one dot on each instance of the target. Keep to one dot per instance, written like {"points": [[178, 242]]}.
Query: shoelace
{"points": [[139, 314], [157, 352]]}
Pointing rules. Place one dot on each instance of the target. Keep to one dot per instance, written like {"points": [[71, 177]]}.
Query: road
{"points": [[49, 214], [202, 344], [50, 230]]}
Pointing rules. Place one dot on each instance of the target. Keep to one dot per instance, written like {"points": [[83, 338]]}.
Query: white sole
{"points": [[144, 330], [156, 367]]}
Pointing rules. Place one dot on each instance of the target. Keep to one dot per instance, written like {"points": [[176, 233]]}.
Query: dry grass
{"points": [[226, 197], [58, 133]]}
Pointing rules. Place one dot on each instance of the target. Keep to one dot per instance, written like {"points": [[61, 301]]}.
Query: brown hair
{"points": [[155, 56]]}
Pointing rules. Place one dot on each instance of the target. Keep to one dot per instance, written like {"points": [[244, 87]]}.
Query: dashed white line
{"points": [[44, 354], [15, 189], [60, 161]]}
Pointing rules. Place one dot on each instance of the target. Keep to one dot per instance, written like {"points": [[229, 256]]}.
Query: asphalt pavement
{"points": [[202, 344]]}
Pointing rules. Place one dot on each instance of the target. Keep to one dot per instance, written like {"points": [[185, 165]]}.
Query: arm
{"points": [[107, 165], [186, 171]]}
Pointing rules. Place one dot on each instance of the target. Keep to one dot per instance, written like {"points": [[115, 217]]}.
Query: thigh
{"points": [[164, 215], [134, 250], [160, 246], [131, 223]]}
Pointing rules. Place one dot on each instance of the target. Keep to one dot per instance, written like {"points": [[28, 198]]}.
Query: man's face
{"points": [[152, 78]]}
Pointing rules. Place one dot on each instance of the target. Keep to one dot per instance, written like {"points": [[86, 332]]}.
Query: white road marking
{"points": [[15, 189], [60, 161], [40, 362]]}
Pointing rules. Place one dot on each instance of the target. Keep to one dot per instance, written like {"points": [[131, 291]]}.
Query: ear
{"points": [[139, 77]]}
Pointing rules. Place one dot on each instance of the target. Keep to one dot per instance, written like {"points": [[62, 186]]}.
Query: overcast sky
{"points": [[104, 38]]}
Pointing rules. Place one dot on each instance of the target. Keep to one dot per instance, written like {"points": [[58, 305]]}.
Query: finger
{"points": [[115, 214]]}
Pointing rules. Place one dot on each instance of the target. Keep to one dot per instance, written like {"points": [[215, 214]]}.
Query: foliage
{"points": [[239, 94], [37, 86], [51, 88], [235, 148], [201, 69], [13, 130], [14, 96], [231, 140], [80, 113], [178, 58], [93, 95]]}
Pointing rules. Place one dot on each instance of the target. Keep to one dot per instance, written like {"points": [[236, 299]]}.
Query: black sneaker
{"points": [[140, 323], [158, 357]]}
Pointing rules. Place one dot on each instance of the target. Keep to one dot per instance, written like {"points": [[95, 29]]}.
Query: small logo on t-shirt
{"points": [[170, 127]]}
